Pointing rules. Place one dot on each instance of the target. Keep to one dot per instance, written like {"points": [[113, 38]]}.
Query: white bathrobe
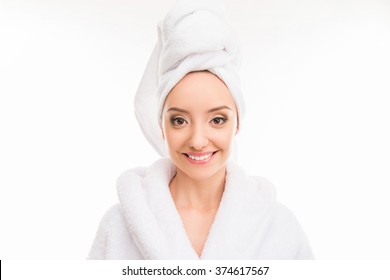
{"points": [[249, 223]]}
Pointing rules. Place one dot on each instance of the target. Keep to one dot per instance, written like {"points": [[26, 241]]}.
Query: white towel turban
{"points": [[194, 36]]}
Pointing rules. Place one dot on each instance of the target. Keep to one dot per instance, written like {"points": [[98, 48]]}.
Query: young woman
{"points": [[195, 202]]}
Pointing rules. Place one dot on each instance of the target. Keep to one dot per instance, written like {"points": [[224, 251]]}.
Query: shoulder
{"points": [[282, 218], [255, 185], [110, 225], [266, 186], [289, 234], [127, 175], [113, 239], [112, 215], [158, 167], [285, 233], [113, 222], [285, 218]]}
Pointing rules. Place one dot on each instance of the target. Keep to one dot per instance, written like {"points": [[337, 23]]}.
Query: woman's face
{"points": [[199, 121]]}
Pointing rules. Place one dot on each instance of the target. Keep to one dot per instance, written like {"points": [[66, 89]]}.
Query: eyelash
{"points": [[220, 118], [175, 119]]}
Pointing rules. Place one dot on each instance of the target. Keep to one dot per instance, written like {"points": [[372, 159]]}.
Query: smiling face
{"points": [[199, 121]]}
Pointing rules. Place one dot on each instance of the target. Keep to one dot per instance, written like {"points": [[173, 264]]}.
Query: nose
{"points": [[198, 138]]}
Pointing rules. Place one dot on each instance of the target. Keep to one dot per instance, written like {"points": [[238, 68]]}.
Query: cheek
{"points": [[173, 138], [224, 137]]}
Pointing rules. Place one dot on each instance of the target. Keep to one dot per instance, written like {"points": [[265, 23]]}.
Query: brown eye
{"points": [[178, 121], [219, 120]]}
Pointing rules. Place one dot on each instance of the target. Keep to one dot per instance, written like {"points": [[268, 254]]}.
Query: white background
{"points": [[316, 81]]}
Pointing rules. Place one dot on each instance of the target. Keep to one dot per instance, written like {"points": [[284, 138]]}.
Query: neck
{"points": [[204, 195]]}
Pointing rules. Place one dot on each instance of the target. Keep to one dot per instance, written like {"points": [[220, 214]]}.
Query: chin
{"points": [[199, 175], [202, 173]]}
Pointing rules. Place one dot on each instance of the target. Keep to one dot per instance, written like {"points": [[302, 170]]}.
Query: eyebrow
{"points": [[209, 111]]}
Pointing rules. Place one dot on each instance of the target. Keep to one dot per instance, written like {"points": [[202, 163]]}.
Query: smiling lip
{"points": [[204, 161]]}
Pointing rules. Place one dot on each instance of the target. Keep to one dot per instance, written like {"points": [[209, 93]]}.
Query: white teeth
{"points": [[200, 158]]}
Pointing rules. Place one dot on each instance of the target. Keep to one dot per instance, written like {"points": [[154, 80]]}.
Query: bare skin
{"points": [[197, 207]]}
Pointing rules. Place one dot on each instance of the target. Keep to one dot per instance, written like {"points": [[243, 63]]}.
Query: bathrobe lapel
{"points": [[157, 229], [150, 213], [240, 223]]}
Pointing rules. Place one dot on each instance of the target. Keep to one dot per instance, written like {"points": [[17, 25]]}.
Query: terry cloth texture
{"points": [[249, 224]]}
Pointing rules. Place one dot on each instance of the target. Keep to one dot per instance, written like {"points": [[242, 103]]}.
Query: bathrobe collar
{"points": [[157, 229]]}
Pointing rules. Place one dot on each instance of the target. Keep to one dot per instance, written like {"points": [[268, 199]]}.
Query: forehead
{"points": [[200, 90]]}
